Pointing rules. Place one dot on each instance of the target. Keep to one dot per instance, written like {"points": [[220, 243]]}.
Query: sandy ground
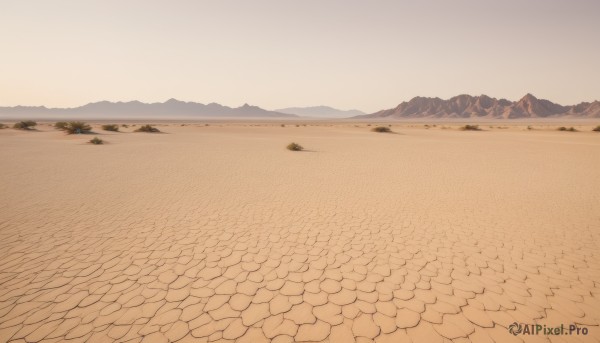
{"points": [[218, 233]]}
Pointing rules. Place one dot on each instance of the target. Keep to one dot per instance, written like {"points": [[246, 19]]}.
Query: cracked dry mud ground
{"points": [[220, 234]]}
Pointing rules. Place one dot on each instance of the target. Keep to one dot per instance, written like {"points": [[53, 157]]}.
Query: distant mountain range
{"points": [[320, 112], [461, 106], [135, 109], [467, 106]]}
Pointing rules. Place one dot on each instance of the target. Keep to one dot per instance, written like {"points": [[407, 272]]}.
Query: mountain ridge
{"points": [[483, 106], [137, 109]]}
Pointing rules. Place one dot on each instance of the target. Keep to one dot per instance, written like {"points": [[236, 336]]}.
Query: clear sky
{"points": [[347, 54]]}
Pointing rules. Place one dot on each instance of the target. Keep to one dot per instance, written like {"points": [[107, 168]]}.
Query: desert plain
{"points": [[217, 233]]}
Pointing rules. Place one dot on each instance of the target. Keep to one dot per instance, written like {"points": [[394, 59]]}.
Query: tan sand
{"points": [[217, 233]]}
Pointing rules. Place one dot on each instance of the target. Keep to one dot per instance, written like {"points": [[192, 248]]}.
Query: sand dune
{"points": [[217, 233]]}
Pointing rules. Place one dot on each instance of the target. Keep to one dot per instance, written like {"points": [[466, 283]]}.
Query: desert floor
{"points": [[218, 233]]}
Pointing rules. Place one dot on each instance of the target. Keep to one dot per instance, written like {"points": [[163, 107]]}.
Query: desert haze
{"points": [[215, 232]]}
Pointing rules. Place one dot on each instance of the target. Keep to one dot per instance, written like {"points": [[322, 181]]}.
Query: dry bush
{"points": [[96, 141], [383, 129], [294, 147], [570, 129], [25, 125], [77, 127], [470, 128], [110, 127], [147, 128]]}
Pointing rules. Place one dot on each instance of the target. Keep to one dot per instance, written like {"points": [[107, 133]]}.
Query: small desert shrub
{"points": [[124, 125], [77, 127], [2, 126], [96, 141], [381, 129], [529, 127], [470, 128], [110, 127], [60, 125], [571, 129], [295, 147], [282, 125], [597, 128], [147, 128], [25, 125]]}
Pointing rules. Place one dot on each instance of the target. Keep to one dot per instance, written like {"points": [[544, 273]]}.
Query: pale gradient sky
{"points": [[367, 55]]}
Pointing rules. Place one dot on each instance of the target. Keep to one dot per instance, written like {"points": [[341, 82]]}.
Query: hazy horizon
{"points": [[277, 54], [276, 109]]}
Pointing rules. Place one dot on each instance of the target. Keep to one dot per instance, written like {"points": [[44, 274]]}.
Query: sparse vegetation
{"points": [[529, 127], [147, 128], [110, 127], [96, 141], [60, 125], [381, 129], [2, 126], [597, 128], [470, 128], [124, 125], [282, 125], [294, 147], [570, 129], [25, 125], [77, 127]]}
